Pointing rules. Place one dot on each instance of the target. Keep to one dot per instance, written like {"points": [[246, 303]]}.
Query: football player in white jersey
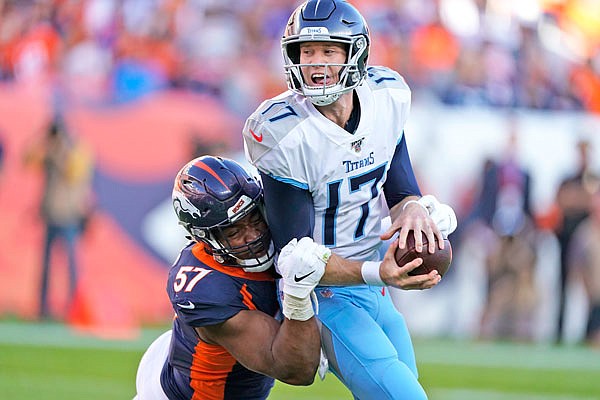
{"points": [[333, 159]]}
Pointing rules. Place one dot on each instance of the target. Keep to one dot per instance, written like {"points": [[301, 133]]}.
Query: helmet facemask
{"points": [[210, 196], [255, 256], [350, 75]]}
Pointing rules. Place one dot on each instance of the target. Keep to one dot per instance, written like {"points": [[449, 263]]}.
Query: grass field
{"points": [[50, 362]]}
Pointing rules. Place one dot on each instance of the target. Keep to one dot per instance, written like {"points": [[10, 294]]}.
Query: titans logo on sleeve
{"points": [[204, 293]]}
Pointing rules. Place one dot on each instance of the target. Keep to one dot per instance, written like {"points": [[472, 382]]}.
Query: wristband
{"points": [[296, 308], [370, 273], [416, 202]]}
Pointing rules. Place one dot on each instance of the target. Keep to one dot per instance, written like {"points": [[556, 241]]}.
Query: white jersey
{"points": [[290, 140]]}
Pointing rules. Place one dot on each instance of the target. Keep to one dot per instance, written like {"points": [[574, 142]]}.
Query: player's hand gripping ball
{"points": [[440, 260]]}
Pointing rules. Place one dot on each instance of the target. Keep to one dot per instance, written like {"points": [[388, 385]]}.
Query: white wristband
{"points": [[417, 202], [370, 273], [299, 309]]}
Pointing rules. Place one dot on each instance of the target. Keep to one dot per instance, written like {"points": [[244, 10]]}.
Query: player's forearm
{"points": [[296, 351], [341, 271]]}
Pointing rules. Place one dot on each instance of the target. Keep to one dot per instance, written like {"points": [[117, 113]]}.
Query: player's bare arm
{"points": [[288, 352], [340, 271]]}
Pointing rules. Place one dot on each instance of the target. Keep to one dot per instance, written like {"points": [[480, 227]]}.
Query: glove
{"points": [[445, 219], [442, 214], [301, 265], [323, 365]]}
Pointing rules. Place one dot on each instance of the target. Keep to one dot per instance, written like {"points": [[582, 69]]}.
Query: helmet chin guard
{"points": [[261, 263], [326, 21]]}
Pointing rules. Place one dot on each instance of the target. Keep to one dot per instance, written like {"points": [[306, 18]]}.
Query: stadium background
{"points": [[143, 82]]}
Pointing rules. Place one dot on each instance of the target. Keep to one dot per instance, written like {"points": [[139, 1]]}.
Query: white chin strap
{"points": [[324, 100], [264, 262]]}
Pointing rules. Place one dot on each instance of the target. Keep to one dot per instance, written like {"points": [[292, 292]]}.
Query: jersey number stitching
{"points": [[375, 72], [182, 277], [356, 183], [289, 113]]}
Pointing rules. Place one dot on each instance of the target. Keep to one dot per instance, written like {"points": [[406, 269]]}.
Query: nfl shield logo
{"points": [[356, 145]]}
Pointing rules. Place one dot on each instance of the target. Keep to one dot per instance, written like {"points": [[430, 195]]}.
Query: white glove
{"points": [[301, 265], [445, 219], [323, 365], [442, 214]]}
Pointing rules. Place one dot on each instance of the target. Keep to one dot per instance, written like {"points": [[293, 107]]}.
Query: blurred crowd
{"points": [[510, 238], [541, 54], [533, 54]]}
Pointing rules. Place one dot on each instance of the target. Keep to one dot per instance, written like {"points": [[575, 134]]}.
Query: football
{"points": [[439, 260]]}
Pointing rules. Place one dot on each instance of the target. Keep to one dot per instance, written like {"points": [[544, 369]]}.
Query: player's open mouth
{"points": [[320, 79]]}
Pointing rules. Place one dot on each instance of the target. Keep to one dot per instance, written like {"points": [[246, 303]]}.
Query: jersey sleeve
{"points": [[279, 199], [204, 296], [268, 144], [401, 181], [381, 78], [209, 311]]}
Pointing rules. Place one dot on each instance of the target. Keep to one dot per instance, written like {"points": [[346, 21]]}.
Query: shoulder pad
{"points": [[383, 77], [270, 124]]}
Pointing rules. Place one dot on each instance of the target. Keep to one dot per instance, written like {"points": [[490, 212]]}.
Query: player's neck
{"points": [[339, 111]]}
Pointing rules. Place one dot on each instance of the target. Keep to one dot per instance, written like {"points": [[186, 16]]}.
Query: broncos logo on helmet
{"points": [[211, 194]]}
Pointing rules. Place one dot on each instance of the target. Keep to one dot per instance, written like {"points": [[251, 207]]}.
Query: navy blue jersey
{"points": [[204, 292]]}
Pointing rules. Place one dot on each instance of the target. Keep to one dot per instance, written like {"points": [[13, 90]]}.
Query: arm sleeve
{"points": [[290, 211], [401, 181]]}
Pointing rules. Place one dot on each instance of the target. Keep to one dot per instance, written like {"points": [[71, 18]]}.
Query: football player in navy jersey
{"points": [[228, 339], [333, 160]]}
